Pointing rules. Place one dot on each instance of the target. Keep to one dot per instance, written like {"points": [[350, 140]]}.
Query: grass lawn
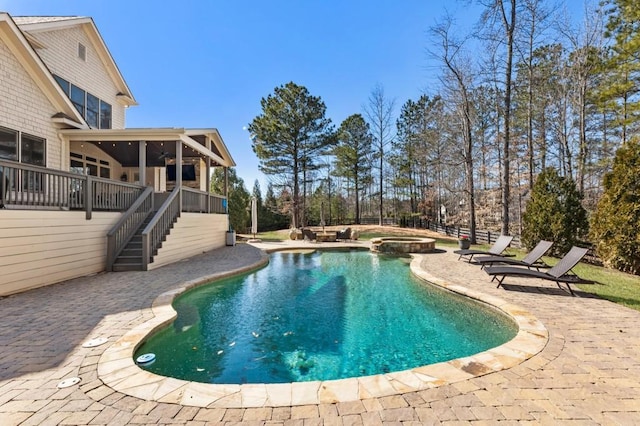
{"points": [[610, 284]]}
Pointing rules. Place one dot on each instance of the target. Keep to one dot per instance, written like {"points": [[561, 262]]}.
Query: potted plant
{"points": [[464, 242]]}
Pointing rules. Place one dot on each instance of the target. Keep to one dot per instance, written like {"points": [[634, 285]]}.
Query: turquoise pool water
{"points": [[320, 316]]}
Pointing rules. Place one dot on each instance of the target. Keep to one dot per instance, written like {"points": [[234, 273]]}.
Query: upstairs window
{"points": [[78, 99], [93, 109], [64, 84], [105, 115], [93, 105]]}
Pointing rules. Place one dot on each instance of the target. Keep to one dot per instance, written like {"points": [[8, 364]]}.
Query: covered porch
{"points": [[121, 204]]}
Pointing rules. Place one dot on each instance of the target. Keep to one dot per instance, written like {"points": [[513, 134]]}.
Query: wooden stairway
{"points": [[130, 259]]}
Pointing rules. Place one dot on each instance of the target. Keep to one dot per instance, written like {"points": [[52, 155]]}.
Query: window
{"points": [[32, 150], [105, 115], [93, 104], [77, 166], [8, 144], [66, 87], [93, 109], [105, 171], [85, 165], [78, 98], [29, 149]]}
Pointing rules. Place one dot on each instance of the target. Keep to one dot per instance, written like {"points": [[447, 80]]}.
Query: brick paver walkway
{"points": [[589, 373]]}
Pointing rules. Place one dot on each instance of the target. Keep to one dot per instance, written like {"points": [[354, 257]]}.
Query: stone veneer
{"points": [[403, 245]]}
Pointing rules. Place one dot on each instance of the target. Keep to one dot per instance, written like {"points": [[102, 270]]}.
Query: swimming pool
{"points": [[319, 316]]}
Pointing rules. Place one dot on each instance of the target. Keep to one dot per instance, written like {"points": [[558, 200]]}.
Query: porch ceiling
{"points": [[122, 144]]}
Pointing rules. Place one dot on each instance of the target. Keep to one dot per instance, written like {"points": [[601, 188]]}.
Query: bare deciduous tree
{"points": [[379, 113]]}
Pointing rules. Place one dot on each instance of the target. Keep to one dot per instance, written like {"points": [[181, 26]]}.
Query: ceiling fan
{"points": [[165, 154]]}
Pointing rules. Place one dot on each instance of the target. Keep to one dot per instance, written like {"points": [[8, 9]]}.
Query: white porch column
{"points": [[142, 162], [207, 144], [226, 182]]}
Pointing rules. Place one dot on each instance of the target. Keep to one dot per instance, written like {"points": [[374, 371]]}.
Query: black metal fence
{"points": [[483, 236]]}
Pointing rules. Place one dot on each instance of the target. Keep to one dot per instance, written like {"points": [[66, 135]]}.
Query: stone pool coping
{"points": [[117, 369]]}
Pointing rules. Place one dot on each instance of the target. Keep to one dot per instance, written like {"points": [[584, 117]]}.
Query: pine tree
{"points": [[352, 155], [623, 67], [615, 225], [288, 136]]}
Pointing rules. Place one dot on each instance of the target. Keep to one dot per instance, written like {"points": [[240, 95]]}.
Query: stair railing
{"points": [[126, 227], [155, 232]]}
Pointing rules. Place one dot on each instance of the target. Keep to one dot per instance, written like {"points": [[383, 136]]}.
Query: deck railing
{"points": [[126, 227], [194, 201], [29, 186]]}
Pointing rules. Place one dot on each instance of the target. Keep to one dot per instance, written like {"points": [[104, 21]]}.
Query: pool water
{"points": [[320, 316]]}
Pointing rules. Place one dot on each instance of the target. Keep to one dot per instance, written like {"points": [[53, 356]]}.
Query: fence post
{"points": [[488, 237]]}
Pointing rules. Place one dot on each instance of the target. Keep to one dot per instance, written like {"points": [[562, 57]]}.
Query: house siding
{"points": [[38, 247], [25, 108], [61, 57], [193, 234]]}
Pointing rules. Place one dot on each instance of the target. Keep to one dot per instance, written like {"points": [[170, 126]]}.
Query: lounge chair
{"points": [[560, 273], [308, 234], [498, 247], [344, 234], [531, 260]]}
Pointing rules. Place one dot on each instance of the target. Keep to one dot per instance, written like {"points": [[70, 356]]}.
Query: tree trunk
{"points": [[506, 184]]}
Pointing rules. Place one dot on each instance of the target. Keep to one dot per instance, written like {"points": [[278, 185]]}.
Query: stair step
{"points": [[127, 267], [130, 259]]}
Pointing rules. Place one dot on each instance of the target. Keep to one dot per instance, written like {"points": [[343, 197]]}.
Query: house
{"points": [[79, 192]]}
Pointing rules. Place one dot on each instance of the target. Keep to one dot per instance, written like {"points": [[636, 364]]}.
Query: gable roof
{"points": [[22, 20], [34, 24], [20, 47]]}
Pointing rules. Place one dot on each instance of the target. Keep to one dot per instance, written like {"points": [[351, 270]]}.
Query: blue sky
{"points": [[208, 63]]}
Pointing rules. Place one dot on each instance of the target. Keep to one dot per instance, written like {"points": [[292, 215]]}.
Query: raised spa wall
{"points": [[395, 245]]}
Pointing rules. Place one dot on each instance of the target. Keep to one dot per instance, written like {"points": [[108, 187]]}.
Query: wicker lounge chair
{"points": [[531, 260], [560, 273], [498, 247]]}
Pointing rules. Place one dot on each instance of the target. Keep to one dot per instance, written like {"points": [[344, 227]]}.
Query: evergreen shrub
{"points": [[554, 213]]}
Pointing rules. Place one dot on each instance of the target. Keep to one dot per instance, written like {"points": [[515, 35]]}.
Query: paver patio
{"points": [[588, 373]]}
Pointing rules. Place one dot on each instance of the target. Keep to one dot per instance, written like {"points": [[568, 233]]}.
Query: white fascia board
{"points": [[202, 150]]}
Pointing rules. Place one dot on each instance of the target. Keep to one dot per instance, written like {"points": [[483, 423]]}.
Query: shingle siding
{"points": [[25, 108], [61, 57]]}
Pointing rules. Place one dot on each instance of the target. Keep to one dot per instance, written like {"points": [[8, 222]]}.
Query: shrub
{"points": [[615, 225], [554, 212]]}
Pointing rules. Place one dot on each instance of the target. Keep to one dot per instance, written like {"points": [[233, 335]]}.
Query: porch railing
{"points": [[126, 227], [194, 201], [29, 186], [155, 232]]}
